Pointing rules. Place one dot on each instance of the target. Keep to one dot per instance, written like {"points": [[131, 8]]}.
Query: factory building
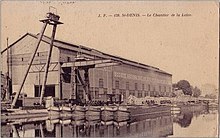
{"points": [[127, 78]]}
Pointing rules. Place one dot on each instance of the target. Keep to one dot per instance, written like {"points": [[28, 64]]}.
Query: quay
{"points": [[119, 113]]}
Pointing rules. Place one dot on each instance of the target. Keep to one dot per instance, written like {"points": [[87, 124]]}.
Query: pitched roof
{"points": [[90, 51]]}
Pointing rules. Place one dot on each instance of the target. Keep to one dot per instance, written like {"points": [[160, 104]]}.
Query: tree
{"points": [[196, 92], [174, 85], [185, 86]]}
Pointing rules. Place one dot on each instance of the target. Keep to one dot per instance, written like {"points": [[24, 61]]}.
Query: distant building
{"points": [[129, 78], [209, 89]]}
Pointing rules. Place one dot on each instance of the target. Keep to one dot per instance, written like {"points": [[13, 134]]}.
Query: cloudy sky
{"points": [[185, 46]]}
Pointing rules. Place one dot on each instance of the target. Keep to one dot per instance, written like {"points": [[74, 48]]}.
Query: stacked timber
{"points": [[66, 111], [54, 112], [121, 123], [107, 112], [148, 110], [93, 112], [78, 112], [23, 113], [121, 113], [78, 122], [107, 123], [175, 109], [65, 121]]}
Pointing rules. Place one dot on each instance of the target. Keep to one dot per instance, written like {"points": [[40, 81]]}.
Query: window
{"points": [[127, 85], [38, 54], [132, 93], [101, 85], [135, 86], [68, 59], [148, 87], [169, 89], [142, 86], [164, 88], [124, 94], [66, 75], [49, 90], [116, 84], [139, 95], [37, 133], [105, 91], [96, 94], [159, 88], [113, 91], [22, 59], [92, 94]]}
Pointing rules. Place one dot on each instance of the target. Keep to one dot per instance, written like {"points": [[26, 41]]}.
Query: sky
{"points": [[185, 46]]}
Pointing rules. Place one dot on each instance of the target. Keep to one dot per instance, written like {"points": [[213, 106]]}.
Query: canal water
{"points": [[180, 124]]}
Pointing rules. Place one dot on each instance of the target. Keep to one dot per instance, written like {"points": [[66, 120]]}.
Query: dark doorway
{"points": [[49, 90]]}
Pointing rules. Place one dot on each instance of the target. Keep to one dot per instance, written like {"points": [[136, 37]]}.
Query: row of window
{"points": [[101, 85], [95, 93]]}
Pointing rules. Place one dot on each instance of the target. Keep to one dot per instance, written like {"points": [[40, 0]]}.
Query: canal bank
{"points": [[151, 125], [89, 112]]}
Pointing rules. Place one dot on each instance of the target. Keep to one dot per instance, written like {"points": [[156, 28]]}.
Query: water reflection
{"points": [[157, 125], [192, 123], [185, 119], [150, 127]]}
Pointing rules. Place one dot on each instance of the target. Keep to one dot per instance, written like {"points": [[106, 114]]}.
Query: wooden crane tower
{"points": [[51, 19], [80, 63]]}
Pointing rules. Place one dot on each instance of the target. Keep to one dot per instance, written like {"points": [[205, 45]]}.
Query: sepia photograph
{"points": [[109, 68]]}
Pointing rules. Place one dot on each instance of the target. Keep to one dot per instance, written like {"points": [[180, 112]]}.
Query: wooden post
{"points": [[47, 64], [29, 64]]}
